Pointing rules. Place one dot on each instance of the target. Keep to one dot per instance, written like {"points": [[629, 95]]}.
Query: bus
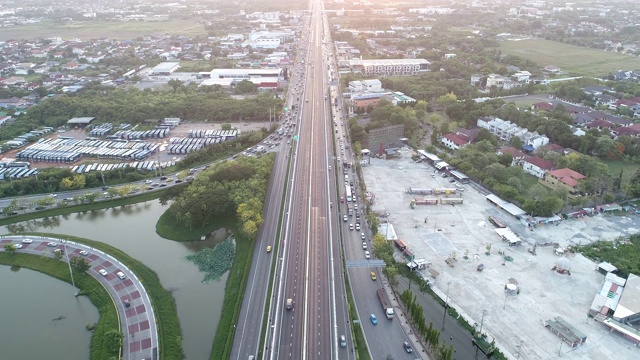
{"points": [[348, 189]]}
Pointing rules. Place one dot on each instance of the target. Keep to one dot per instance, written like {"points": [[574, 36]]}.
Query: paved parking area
{"points": [[434, 232]]}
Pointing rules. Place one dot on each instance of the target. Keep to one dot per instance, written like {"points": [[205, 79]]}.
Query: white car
{"points": [[52, 244], [84, 253], [364, 245], [27, 241], [18, 246], [103, 272], [367, 255], [121, 275]]}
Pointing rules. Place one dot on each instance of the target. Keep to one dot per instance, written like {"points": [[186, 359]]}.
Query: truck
{"points": [[386, 305]]}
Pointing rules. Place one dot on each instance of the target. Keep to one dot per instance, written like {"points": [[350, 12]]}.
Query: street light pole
{"points": [[73, 283]]}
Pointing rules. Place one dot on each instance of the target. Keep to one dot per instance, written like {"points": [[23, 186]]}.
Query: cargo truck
{"points": [[386, 304]]}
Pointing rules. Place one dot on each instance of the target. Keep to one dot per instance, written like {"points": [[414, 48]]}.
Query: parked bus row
{"points": [[17, 172], [70, 150], [213, 133], [141, 135], [138, 165]]}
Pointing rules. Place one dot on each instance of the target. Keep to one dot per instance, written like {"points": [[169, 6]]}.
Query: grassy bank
{"points": [[70, 209], [164, 306], [233, 295], [88, 286]]}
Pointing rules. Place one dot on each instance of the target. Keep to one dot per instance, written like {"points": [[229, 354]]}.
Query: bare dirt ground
{"points": [[434, 232]]}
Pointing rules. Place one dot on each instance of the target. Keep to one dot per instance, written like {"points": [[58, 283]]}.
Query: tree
{"points": [[57, 254], [79, 263], [113, 340], [10, 248], [245, 87], [226, 127], [391, 272], [516, 142], [175, 84]]}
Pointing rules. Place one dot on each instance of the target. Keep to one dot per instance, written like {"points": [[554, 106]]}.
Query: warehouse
{"points": [[165, 68]]}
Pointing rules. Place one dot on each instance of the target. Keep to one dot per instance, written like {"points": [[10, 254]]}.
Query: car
{"points": [[52, 244], [27, 241], [103, 272], [357, 226], [344, 218], [169, 179], [162, 185], [18, 246], [407, 347], [163, 178], [289, 304], [342, 199], [374, 319], [364, 245], [350, 226], [373, 276], [84, 253], [121, 275], [343, 341], [329, 168], [367, 255], [362, 236], [269, 248], [148, 181], [53, 195]]}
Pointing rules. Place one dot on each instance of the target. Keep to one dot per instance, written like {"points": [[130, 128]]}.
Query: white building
{"points": [[506, 130], [165, 68], [389, 67], [373, 85]]}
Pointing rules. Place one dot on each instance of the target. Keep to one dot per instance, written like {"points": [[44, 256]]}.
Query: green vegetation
{"points": [[572, 59], [86, 30], [622, 253], [90, 287], [134, 106], [169, 331], [214, 262], [15, 222], [231, 187]]}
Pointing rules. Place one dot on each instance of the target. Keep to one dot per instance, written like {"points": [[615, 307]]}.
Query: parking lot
{"points": [[436, 232]]}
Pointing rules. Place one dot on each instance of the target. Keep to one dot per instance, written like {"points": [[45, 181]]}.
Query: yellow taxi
{"points": [[269, 248], [373, 276]]}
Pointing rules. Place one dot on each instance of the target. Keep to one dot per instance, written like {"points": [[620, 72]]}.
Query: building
{"points": [[269, 78], [563, 178], [517, 155], [379, 140], [455, 141], [506, 130], [536, 166], [80, 122], [389, 67], [373, 85], [165, 68]]}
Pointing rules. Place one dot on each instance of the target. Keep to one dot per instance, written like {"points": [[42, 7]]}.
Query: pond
{"points": [[132, 229]]}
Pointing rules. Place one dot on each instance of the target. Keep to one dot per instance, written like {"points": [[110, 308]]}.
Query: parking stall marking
{"points": [[146, 343], [144, 325], [140, 309]]}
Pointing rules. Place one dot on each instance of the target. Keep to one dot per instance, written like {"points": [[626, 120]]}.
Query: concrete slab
{"points": [[435, 232]]}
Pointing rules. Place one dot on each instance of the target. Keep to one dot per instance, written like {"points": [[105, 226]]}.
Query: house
{"points": [[476, 79], [543, 106], [622, 103], [455, 141], [599, 124], [536, 166], [373, 85], [625, 131], [563, 178], [13, 103], [522, 76], [517, 155]]}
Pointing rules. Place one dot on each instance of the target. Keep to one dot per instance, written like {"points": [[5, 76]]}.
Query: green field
{"points": [[628, 172], [572, 60], [85, 30]]}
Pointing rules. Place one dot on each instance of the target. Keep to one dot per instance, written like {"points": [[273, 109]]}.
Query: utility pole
{"points": [[66, 254]]}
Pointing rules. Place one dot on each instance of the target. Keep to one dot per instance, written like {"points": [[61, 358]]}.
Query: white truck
{"points": [[386, 304]]}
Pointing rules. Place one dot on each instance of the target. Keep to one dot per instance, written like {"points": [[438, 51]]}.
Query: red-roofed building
{"points": [[563, 178], [455, 141], [536, 166], [543, 106], [626, 131], [516, 154], [599, 124], [622, 102]]}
